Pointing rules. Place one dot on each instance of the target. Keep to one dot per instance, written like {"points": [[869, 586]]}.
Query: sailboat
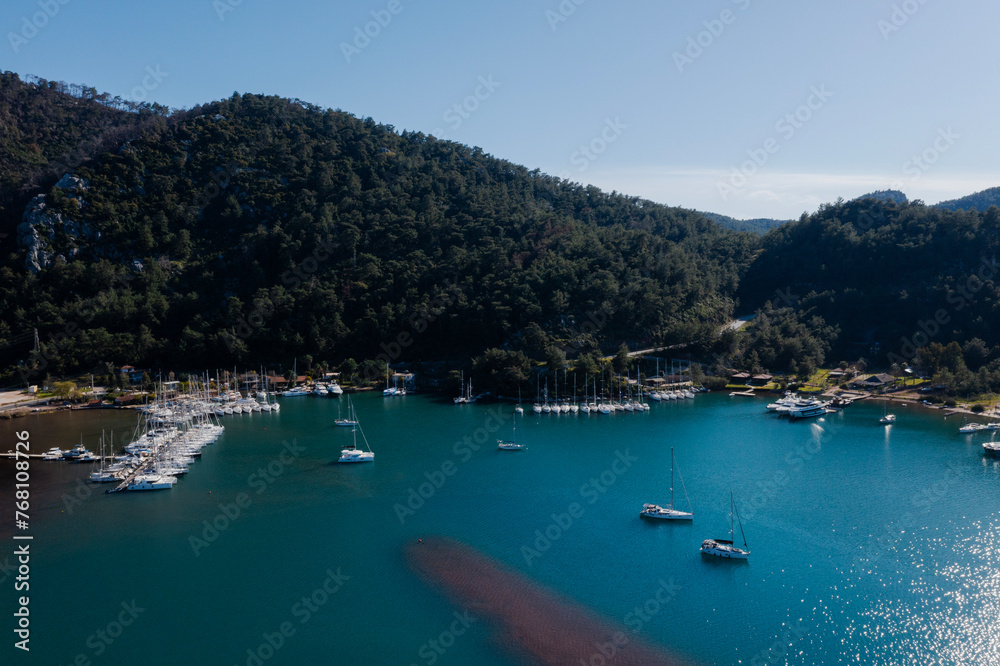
{"points": [[519, 409], [723, 547], [103, 475], [351, 420], [887, 419], [352, 454], [466, 397], [511, 444], [389, 391], [669, 513]]}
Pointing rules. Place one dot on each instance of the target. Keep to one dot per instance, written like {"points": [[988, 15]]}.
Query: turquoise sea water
{"points": [[869, 544]]}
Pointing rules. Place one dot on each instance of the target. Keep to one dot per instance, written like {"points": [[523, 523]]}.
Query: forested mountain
{"points": [[758, 225], [49, 127], [980, 201], [259, 229], [892, 278]]}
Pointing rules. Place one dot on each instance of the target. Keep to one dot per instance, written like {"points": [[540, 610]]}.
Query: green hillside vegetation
{"points": [[893, 279], [260, 229], [256, 230], [759, 225], [980, 201]]}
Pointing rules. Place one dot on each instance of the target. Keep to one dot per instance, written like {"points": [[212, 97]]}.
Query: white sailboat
{"points": [[725, 547], [389, 391], [466, 396], [669, 513], [887, 419], [350, 421], [352, 454], [511, 444], [519, 409]]}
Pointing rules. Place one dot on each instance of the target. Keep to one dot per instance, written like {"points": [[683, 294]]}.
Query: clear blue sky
{"points": [[924, 81]]}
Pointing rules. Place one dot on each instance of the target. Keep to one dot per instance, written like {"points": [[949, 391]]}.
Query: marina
{"points": [[815, 496]]}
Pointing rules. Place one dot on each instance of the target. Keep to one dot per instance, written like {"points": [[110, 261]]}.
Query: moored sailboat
{"points": [[352, 454], [511, 444], [725, 547], [668, 513]]}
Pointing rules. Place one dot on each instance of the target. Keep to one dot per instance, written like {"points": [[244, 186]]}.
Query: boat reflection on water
{"points": [[529, 619]]}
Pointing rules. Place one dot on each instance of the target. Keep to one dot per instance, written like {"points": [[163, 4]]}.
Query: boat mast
{"points": [[671, 477], [742, 533]]}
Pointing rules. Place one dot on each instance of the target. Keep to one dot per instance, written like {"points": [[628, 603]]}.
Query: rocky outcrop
{"points": [[36, 234]]}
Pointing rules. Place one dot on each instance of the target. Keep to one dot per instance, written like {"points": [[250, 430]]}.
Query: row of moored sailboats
{"points": [[633, 399]]}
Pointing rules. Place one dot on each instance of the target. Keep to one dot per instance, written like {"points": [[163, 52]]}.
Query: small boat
{"points": [[86, 457], [992, 448], [392, 391], [352, 454], [466, 397], [887, 419], [152, 482], [725, 547], [809, 412], [519, 409], [333, 388], [99, 476], [350, 421], [511, 444], [971, 428], [294, 393], [668, 513], [55, 453]]}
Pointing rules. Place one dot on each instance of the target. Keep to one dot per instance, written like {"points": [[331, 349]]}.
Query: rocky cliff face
{"points": [[36, 234]]}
